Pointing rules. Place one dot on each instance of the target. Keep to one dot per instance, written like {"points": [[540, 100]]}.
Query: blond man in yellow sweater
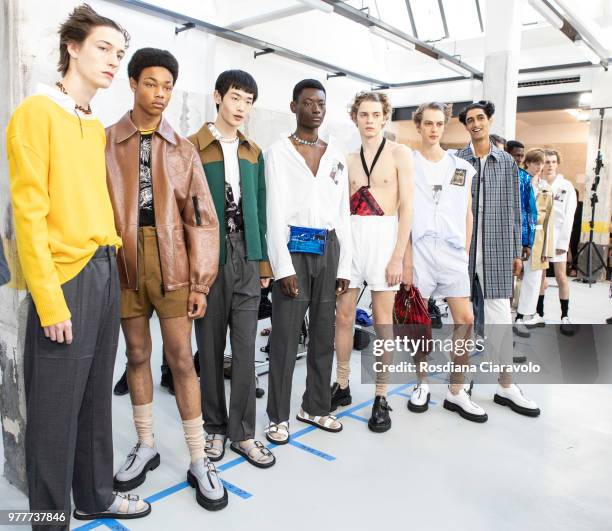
{"points": [[67, 242]]}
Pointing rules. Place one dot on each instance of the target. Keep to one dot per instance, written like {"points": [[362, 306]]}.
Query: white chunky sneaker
{"points": [[567, 328], [535, 321], [520, 329], [419, 399], [514, 398], [133, 472], [204, 478], [462, 403]]}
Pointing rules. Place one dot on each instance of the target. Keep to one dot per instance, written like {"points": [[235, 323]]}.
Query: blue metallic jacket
{"points": [[529, 212]]}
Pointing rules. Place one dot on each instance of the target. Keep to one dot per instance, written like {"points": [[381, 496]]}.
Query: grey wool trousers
{"points": [[233, 301], [317, 293], [69, 442]]}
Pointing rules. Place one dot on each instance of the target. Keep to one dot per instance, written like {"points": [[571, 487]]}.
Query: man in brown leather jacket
{"points": [[166, 218]]}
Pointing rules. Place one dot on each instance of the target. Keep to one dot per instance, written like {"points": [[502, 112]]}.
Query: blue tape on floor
{"points": [[403, 394], [236, 490], [114, 525], [357, 417], [166, 492], [226, 466], [311, 450], [90, 525], [111, 524], [231, 464]]}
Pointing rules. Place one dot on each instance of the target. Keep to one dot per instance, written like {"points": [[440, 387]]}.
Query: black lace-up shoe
{"points": [[380, 421], [340, 397]]}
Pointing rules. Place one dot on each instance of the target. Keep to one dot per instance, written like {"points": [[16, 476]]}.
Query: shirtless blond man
{"points": [[380, 177]]}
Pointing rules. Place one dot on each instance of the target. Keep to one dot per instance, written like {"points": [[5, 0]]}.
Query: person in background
{"points": [[517, 151], [498, 141], [543, 243], [564, 207], [574, 245]]}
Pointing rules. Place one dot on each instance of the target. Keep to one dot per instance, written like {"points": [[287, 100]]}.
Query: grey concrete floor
{"points": [[432, 471]]}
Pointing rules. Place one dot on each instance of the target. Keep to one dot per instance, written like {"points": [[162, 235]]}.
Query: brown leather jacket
{"points": [[186, 223]]}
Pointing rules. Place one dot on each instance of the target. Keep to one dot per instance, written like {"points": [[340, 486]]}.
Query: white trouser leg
{"points": [[530, 289]]}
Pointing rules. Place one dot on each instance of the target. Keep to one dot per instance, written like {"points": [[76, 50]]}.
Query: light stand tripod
{"points": [[590, 246]]}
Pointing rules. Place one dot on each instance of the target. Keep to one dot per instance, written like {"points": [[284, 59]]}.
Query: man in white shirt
{"points": [[441, 237], [564, 208], [380, 178], [307, 209]]}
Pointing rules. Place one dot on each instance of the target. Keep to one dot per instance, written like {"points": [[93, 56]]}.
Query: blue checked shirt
{"points": [[501, 240]]}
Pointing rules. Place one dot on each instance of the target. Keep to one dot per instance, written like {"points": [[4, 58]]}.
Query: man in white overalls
{"points": [[441, 236]]}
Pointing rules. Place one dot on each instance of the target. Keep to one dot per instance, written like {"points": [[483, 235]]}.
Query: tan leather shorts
{"points": [[150, 294]]}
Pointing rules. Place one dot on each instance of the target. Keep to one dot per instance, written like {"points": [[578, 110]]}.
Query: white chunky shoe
{"points": [[535, 321], [567, 328], [514, 398], [419, 399], [462, 403], [520, 329]]}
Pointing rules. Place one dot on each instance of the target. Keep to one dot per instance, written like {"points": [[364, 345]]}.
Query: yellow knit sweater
{"points": [[60, 200]]}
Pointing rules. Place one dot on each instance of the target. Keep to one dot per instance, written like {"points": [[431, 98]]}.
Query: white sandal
{"points": [[131, 509], [318, 422], [215, 452], [280, 429]]}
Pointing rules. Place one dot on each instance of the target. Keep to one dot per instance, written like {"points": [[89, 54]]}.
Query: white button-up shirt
{"points": [[294, 196]]}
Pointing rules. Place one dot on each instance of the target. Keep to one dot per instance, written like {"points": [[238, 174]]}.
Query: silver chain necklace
{"points": [[217, 134], [304, 142]]}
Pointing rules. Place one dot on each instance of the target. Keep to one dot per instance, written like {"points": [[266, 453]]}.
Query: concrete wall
{"points": [[12, 300]]}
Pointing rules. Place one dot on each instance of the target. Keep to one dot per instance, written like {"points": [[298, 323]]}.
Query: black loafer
{"points": [[121, 387], [340, 397], [380, 421], [166, 379], [196, 362]]}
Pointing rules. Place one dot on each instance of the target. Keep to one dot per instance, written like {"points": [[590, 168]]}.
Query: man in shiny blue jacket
{"points": [[529, 213]]}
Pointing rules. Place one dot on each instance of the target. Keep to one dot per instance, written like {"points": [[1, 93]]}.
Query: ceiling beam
{"points": [[356, 15], [572, 28], [271, 16], [257, 44]]}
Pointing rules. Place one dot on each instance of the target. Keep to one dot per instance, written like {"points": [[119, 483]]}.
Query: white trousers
{"points": [[530, 289], [496, 311], [497, 321]]}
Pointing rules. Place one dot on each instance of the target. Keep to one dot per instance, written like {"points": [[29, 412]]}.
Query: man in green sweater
{"points": [[234, 170]]}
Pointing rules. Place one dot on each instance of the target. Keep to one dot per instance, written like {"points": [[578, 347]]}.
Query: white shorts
{"points": [[374, 239], [559, 258], [440, 270]]}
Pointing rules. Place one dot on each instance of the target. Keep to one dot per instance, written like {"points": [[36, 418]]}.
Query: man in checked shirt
{"points": [[496, 249]]}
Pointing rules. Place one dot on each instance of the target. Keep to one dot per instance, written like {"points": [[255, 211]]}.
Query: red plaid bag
{"points": [[410, 309]]}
